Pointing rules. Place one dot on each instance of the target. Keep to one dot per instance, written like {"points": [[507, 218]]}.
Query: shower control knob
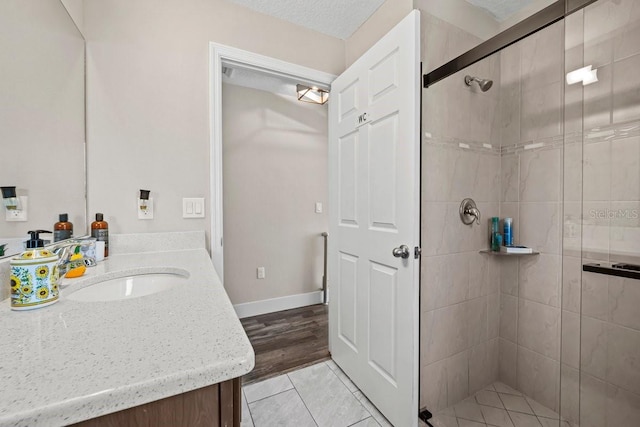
{"points": [[401, 251]]}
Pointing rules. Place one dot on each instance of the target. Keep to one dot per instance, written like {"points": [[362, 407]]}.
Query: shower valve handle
{"points": [[474, 212], [469, 212]]}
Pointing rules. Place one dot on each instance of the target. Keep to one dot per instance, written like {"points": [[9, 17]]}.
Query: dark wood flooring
{"points": [[287, 340]]}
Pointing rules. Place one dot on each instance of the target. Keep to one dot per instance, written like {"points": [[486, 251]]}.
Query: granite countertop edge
{"points": [[215, 362]]}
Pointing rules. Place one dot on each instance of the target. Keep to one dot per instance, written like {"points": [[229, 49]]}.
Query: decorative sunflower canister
{"points": [[34, 276]]}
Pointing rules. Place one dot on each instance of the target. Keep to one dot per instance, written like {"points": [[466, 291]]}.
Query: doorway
{"points": [[377, 99], [275, 190], [222, 59], [269, 213]]}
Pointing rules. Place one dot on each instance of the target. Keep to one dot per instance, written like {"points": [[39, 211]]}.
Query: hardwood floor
{"points": [[287, 340]]}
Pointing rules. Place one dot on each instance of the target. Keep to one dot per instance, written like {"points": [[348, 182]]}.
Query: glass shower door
{"points": [[601, 310]]}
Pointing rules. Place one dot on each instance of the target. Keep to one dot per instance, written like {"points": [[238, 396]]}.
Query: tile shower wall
{"points": [[569, 161], [460, 287], [504, 149], [611, 123], [601, 320], [531, 136]]}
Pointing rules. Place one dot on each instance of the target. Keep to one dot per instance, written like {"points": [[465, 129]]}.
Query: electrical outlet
{"points": [[17, 215], [261, 273], [145, 213]]}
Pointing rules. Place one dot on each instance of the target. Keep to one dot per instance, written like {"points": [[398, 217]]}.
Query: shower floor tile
{"points": [[498, 405]]}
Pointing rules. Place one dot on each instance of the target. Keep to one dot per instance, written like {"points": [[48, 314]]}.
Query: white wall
{"points": [[275, 169], [41, 113], [148, 111], [76, 11], [373, 29]]}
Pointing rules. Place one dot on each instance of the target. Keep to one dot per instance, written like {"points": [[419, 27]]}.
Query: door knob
{"points": [[401, 251]]}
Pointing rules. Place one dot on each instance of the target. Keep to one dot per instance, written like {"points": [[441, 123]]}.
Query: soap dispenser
{"points": [[34, 275]]}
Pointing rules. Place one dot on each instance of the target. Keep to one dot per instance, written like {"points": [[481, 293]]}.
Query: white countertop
{"points": [[73, 361]]}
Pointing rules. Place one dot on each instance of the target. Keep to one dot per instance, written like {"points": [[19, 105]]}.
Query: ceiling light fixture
{"points": [[313, 94], [585, 75]]}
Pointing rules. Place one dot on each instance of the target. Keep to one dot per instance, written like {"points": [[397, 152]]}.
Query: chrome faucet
{"points": [[66, 248]]}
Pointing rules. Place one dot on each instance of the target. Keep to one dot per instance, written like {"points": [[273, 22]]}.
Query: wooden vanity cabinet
{"points": [[217, 405]]}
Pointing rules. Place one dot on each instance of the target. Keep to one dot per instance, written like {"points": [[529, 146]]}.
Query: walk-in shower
{"points": [[533, 340]]}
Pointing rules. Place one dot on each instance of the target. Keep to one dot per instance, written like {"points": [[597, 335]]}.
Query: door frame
{"points": [[220, 55]]}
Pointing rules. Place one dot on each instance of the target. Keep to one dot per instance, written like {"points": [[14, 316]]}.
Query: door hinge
{"points": [[417, 251]]}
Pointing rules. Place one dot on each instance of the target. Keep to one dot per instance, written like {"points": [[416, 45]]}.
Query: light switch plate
{"points": [[318, 207], [193, 207], [16, 215]]}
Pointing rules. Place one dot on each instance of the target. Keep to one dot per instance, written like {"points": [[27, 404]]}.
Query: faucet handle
{"points": [[474, 212]]}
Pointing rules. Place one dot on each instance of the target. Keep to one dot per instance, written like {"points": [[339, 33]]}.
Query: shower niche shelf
{"points": [[504, 254]]}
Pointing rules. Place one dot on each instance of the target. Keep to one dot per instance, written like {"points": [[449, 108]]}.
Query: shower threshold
{"points": [[498, 405]]}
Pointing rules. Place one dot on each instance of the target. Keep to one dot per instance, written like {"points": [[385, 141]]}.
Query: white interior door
{"points": [[374, 208]]}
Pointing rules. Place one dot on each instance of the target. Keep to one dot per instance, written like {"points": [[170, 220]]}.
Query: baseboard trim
{"points": [[256, 308]]}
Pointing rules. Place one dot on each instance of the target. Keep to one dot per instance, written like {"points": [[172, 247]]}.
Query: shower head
{"points": [[485, 84]]}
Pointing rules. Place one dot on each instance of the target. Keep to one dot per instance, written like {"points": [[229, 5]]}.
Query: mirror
{"points": [[42, 117]]}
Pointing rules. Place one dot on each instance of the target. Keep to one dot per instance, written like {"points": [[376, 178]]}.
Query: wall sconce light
{"points": [[145, 205], [585, 75], [15, 206], [313, 95]]}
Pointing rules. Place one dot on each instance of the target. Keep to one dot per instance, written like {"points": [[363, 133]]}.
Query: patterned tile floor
{"points": [[322, 395], [498, 405], [318, 395]]}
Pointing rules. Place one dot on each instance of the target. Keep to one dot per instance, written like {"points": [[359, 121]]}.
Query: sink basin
{"points": [[132, 286]]}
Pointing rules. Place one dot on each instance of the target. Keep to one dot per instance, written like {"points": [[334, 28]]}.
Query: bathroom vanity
{"points": [[212, 406], [108, 357]]}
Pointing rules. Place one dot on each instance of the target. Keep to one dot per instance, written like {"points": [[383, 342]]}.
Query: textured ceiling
{"points": [[337, 18], [501, 9]]}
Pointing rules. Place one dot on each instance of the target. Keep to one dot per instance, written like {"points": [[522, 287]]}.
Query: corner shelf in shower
{"points": [[504, 254]]}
